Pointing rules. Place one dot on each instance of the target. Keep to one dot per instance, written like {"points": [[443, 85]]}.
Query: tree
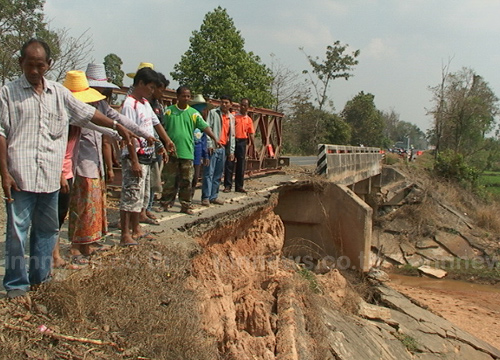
{"points": [[113, 64], [217, 64], [336, 65], [397, 130], [284, 86], [464, 112], [69, 53], [366, 121], [298, 131], [20, 20]]}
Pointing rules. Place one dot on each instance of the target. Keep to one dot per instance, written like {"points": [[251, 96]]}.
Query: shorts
{"points": [[135, 190]]}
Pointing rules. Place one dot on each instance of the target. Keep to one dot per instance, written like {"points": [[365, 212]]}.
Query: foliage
{"points": [[298, 129], [113, 64], [21, 20], [464, 112], [310, 277], [366, 121], [452, 165], [217, 64], [409, 342], [336, 65], [397, 130]]}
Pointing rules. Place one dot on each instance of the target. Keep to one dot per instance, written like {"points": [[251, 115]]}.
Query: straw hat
{"points": [[77, 83], [96, 75], [197, 99], [141, 65], [199, 103]]}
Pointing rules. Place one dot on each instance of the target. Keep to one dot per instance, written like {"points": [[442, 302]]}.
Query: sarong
{"points": [[87, 211]]}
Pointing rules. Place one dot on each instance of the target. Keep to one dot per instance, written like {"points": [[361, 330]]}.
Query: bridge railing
{"points": [[347, 165], [268, 125]]}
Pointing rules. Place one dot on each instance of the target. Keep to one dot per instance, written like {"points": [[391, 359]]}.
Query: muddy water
{"points": [[442, 284], [473, 307]]}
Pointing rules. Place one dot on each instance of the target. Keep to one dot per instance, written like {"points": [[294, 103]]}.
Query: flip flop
{"points": [[149, 221], [129, 244], [79, 260]]}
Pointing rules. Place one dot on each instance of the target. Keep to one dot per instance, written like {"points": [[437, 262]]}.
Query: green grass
{"points": [[483, 271], [310, 277], [491, 181], [409, 342]]}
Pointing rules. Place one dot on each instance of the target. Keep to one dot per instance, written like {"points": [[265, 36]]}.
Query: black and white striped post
{"points": [[321, 165]]}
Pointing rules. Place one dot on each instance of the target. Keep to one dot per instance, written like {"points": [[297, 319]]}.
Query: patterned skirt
{"points": [[87, 210]]}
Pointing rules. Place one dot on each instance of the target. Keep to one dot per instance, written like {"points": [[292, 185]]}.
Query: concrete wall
{"points": [[348, 164], [326, 220]]}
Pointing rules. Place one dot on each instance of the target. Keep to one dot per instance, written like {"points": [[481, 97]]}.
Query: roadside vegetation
{"points": [[449, 181]]}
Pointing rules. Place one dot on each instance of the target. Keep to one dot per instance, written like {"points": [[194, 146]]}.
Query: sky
{"points": [[403, 44]]}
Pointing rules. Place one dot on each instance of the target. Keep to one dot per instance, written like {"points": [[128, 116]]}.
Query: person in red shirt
{"points": [[244, 132]]}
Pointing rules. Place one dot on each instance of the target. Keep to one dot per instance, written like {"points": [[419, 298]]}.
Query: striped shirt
{"points": [[36, 129]]}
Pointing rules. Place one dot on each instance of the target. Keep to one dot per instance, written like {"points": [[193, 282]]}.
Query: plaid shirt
{"points": [[36, 129]]}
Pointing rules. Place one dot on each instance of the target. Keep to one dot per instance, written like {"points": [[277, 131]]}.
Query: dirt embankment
{"points": [[442, 225]]}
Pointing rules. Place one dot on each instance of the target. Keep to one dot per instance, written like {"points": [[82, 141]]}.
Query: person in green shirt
{"points": [[179, 121]]}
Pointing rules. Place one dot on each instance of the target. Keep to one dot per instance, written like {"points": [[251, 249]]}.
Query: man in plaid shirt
{"points": [[34, 117]]}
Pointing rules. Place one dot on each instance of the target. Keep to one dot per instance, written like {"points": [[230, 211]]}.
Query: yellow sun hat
{"points": [[141, 65], [76, 82]]}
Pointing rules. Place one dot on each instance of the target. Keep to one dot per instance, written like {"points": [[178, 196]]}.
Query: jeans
{"points": [[40, 211], [213, 174]]}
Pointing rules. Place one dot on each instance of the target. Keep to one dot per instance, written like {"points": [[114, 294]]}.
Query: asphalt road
{"points": [[303, 160]]}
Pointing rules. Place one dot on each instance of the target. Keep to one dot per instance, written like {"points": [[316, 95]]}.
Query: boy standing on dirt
{"points": [[137, 157]]}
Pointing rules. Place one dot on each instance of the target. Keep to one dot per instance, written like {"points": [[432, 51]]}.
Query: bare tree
{"points": [[284, 86], [440, 109], [73, 53]]}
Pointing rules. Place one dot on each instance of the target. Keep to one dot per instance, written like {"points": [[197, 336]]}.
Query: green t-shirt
{"points": [[180, 125]]}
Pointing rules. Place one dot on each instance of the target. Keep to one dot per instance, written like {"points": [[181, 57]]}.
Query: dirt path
{"points": [[474, 308]]}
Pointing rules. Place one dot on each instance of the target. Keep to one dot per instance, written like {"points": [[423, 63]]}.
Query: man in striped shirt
{"points": [[34, 117]]}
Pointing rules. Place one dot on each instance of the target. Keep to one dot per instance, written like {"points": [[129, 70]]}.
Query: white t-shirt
{"points": [[144, 116]]}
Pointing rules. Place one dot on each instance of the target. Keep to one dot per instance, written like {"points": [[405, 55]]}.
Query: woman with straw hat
{"points": [[87, 216], [88, 220]]}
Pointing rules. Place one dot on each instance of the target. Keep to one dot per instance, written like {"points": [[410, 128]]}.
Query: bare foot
{"points": [[58, 262], [143, 235], [127, 240]]}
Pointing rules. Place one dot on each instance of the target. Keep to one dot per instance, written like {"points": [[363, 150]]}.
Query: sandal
{"points": [[129, 244], [79, 260]]}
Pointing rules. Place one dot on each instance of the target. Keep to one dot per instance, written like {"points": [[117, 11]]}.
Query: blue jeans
{"points": [[40, 211], [213, 174]]}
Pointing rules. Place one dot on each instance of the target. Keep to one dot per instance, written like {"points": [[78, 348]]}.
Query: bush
{"points": [[451, 165]]}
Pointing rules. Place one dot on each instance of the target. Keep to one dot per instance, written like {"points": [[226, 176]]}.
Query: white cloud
{"points": [[379, 49]]}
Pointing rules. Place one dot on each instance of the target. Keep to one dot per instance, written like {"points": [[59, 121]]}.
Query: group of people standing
{"points": [[56, 152]]}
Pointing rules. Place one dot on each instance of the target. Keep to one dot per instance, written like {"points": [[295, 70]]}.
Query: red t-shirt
{"points": [[224, 134], [244, 126]]}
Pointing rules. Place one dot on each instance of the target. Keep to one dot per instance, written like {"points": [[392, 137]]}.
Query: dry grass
{"points": [[134, 297], [313, 303], [438, 191], [487, 217]]}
